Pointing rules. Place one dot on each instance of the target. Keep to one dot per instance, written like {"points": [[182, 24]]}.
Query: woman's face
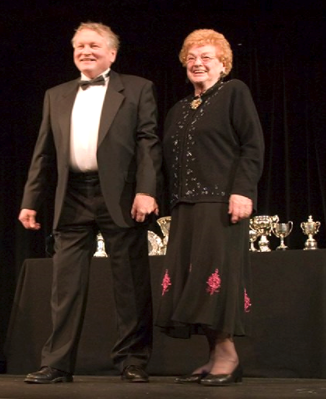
{"points": [[203, 67]]}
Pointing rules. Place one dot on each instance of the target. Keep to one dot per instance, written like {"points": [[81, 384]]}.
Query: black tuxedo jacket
{"points": [[128, 152]]}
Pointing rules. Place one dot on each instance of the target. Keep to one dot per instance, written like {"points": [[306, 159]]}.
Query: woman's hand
{"points": [[240, 207]]}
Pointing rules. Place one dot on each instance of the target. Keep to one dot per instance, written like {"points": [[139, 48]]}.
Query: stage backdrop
{"points": [[279, 51]]}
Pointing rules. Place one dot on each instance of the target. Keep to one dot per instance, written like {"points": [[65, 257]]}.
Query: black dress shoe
{"points": [[134, 374], [48, 375], [222, 379], [190, 378]]}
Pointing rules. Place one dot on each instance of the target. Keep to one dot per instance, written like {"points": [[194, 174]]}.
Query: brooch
{"points": [[195, 103]]}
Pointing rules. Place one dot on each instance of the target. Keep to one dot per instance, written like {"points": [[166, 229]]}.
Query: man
{"points": [[99, 133]]}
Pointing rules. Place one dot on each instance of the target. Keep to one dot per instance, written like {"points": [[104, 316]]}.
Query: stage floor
{"points": [[102, 387]]}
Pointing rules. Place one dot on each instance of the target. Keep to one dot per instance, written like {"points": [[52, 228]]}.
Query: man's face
{"points": [[92, 56]]}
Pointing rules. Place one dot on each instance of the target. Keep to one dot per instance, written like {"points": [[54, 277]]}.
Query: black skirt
{"points": [[206, 276]]}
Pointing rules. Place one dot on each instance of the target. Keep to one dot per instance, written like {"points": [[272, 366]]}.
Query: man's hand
{"points": [[27, 218], [143, 205], [240, 207]]}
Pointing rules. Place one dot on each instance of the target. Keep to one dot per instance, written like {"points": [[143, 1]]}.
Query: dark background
{"points": [[279, 51]]}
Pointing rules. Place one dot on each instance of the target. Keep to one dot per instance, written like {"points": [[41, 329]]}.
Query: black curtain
{"points": [[279, 51]]}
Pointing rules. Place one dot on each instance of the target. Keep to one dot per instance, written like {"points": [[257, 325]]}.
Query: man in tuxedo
{"points": [[99, 133]]}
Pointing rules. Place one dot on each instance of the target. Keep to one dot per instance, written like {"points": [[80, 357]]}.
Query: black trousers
{"points": [[83, 215]]}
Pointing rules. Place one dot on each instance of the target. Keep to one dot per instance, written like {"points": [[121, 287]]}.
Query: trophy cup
{"points": [[310, 228], [263, 226], [100, 247], [155, 244], [282, 230], [253, 235], [164, 223]]}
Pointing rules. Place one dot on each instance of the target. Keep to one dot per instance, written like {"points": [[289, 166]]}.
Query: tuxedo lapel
{"points": [[112, 102], [65, 109]]}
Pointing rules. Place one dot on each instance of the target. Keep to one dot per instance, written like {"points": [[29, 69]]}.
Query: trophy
{"points": [[253, 235], [310, 228], [100, 247], [155, 244], [282, 230], [164, 223], [263, 226]]}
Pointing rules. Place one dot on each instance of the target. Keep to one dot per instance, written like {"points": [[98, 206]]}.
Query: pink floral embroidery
{"points": [[166, 282], [247, 302], [214, 283]]}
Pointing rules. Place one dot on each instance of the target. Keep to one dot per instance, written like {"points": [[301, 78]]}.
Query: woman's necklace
{"points": [[195, 103]]}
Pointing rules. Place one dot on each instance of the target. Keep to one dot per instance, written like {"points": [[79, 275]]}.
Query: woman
{"points": [[213, 152]]}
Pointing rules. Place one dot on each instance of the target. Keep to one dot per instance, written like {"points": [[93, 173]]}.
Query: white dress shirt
{"points": [[85, 122]]}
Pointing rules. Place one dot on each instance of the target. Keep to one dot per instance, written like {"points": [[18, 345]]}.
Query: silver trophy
{"points": [[310, 228], [155, 244], [282, 230], [100, 247], [164, 223], [253, 235], [263, 226]]}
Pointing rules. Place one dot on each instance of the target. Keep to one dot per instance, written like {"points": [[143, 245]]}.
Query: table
{"points": [[288, 317]]}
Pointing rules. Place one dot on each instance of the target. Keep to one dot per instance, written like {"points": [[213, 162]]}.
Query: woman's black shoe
{"points": [[222, 379], [190, 378]]}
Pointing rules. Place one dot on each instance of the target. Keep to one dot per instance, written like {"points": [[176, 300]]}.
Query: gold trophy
{"points": [[282, 230], [100, 247], [253, 235], [310, 228], [263, 226]]}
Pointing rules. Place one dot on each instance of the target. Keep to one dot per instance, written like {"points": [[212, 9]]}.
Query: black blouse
{"points": [[215, 150]]}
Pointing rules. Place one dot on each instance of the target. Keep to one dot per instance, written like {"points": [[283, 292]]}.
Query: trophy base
{"points": [[100, 255], [282, 248], [264, 244], [310, 245], [252, 247], [264, 249]]}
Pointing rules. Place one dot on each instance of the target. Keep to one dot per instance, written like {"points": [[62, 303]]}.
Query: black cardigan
{"points": [[216, 150]]}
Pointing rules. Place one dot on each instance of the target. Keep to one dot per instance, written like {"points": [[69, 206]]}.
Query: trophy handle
{"points": [[273, 228]]}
